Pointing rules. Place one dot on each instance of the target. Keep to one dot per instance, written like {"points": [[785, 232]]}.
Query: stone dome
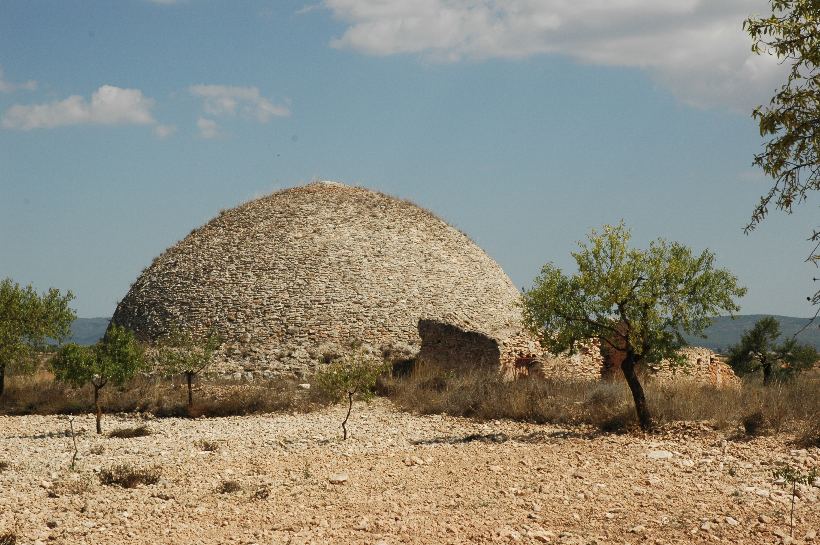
{"points": [[284, 277]]}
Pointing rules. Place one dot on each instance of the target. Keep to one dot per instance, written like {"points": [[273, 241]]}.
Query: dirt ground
{"points": [[399, 479]]}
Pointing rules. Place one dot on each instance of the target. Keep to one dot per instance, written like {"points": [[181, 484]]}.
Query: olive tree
{"points": [[759, 351], [182, 353], [28, 322], [637, 301], [351, 376], [115, 359]]}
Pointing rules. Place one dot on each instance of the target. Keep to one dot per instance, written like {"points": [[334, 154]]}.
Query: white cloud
{"points": [[695, 48], [9, 87], [208, 128], [109, 105], [164, 131], [226, 100]]}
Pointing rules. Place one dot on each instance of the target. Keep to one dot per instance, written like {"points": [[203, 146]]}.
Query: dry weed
{"points": [[128, 476]]}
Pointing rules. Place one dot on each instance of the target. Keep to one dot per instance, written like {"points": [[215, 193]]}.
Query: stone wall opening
{"points": [[449, 347]]}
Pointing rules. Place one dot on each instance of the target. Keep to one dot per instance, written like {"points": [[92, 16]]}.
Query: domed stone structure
{"points": [[287, 278]]}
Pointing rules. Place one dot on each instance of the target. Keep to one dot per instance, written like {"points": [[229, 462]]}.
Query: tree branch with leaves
{"points": [[28, 322]]}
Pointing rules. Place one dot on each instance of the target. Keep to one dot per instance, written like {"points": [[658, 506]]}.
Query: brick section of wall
{"points": [[289, 277]]}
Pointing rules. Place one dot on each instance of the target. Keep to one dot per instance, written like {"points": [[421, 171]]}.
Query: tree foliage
{"points": [[182, 353], [637, 301], [28, 321], [350, 376], [791, 121], [758, 351], [792, 118], [115, 359]]}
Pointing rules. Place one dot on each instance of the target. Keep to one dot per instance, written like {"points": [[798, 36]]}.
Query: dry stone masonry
{"points": [[701, 366], [289, 279]]}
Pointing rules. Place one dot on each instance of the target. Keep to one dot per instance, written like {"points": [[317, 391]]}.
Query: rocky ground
{"points": [[399, 479]]}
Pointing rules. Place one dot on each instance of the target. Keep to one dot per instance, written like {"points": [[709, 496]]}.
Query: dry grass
{"points": [[606, 405], [128, 433], [128, 476], [229, 487], [207, 446], [39, 394]]}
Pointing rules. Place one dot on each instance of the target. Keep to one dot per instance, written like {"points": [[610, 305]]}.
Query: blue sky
{"points": [[124, 125]]}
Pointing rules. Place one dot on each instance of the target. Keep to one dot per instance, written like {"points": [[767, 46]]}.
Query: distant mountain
{"points": [[726, 331], [723, 332], [88, 330]]}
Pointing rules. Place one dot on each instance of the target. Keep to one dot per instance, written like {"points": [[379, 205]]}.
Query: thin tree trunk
{"points": [[791, 516], [97, 407], [628, 368], [767, 374], [2, 378], [349, 408], [190, 377]]}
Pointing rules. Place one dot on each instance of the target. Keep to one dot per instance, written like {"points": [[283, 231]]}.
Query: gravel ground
{"points": [[400, 478]]}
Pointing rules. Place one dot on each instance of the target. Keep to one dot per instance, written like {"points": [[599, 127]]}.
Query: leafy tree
{"points": [[181, 353], [758, 351], [791, 121], [28, 321], [352, 375], [634, 300], [115, 359]]}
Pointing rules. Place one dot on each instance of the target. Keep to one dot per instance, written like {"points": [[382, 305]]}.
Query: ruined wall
{"points": [[702, 367], [289, 277], [522, 354]]}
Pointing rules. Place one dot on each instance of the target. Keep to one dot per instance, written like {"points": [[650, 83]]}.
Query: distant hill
{"points": [[723, 332], [726, 331], [88, 330]]}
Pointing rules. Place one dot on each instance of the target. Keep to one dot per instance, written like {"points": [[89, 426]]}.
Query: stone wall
{"points": [[522, 354], [702, 366]]}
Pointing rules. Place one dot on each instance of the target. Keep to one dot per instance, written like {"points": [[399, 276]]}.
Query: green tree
{"points": [[115, 359], [759, 351], [28, 321], [633, 300], [182, 353], [791, 121], [351, 376]]}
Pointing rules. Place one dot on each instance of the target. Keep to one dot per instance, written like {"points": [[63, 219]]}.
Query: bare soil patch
{"points": [[400, 478]]}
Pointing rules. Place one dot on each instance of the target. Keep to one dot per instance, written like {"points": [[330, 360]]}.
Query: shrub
{"points": [[4, 465], [754, 423], [262, 492], [128, 433], [8, 537], [207, 446], [128, 476], [353, 375], [228, 487]]}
